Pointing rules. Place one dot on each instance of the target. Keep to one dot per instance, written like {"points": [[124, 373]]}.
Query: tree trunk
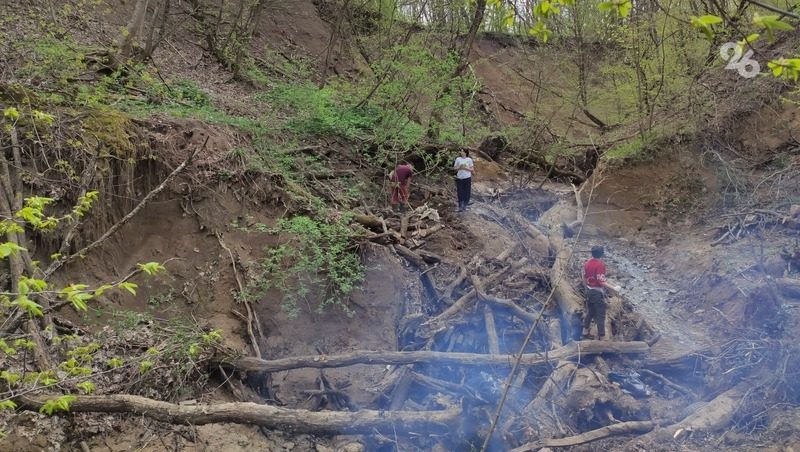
{"points": [[567, 352], [283, 419]]}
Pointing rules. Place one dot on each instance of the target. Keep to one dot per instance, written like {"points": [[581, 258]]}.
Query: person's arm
{"points": [[608, 284], [471, 167]]}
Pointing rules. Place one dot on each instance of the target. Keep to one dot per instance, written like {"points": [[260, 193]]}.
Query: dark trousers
{"points": [[596, 307], [464, 190]]}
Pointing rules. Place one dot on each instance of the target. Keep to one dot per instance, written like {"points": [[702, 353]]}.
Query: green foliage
{"points": [[788, 68], [26, 304], [77, 295], [622, 8], [634, 148], [56, 61], [151, 268], [770, 24], [113, 363], [212, 337], [704, 23], [27, 344], [5, 348], [53, 406], [128, 286], [316, 263], [8, 405], [9, 249], [320, 112], [84, 204], [11, 378], [86, 386], [145, 366]]}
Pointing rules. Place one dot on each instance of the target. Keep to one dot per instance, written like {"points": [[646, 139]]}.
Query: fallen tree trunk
{"points": [[712, 416], [622, 428], [570, 351], [570, 302], [300, 421]]}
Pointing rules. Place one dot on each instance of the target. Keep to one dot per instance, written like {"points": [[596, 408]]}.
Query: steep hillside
{"points": [[202, 253]]}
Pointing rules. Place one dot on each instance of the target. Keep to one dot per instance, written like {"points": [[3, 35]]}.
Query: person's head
{"points": [[598, 252], [464, 152]]}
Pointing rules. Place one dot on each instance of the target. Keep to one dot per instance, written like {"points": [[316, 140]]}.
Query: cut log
{"points": [[284, 419], [574, 350], [623, 428], [370, 222], [491, 330]]}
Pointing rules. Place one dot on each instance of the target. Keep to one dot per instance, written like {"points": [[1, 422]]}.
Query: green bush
{"points": [[317, 262]]}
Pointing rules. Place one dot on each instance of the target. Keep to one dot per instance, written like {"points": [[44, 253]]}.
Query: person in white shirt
{"points": [[464, 167]]}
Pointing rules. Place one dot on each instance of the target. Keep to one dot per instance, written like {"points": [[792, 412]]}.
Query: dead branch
{"points": [[300, 421], [570, 351], [435, 324], [623, 428], [252, 317]]}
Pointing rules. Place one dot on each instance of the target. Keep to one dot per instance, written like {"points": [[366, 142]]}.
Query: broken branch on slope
{"points": [[295, 420]]}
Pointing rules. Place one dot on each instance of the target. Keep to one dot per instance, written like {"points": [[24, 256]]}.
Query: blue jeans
{"points": [[464, 190]]}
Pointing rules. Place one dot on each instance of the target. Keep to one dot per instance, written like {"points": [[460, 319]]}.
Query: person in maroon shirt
{"points": [[594, 276], [400, 180]]}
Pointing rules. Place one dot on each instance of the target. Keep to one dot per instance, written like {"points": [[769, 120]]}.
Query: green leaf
{"points": [[77, 295], [11, 378], [212, 336], [100, 290], [113, 363], [151, 268], [44, 117], [129, 286], [8, 249], [86, 386], [25, 343], [540, 31], [194, 350], [6, 349], [28, 285], [145, 366], [31, 307], [788, 68], [622, 8], [704, 23], [11, 113], [8, 405], [771, 24], [55, 405]]}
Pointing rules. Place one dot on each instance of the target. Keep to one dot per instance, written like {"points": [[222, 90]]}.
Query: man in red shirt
{"points": [[594, 276], [400, 180]]}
